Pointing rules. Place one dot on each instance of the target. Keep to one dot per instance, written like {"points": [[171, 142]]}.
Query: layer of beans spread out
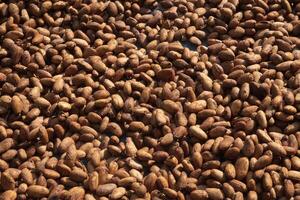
{"points": [[149, 99]]}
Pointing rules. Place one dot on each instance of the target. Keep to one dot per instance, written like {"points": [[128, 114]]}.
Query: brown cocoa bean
{"points": [[37, 191]]}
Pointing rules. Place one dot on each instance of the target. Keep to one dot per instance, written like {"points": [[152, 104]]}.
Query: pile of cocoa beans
{"points": [[149, 99]]}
